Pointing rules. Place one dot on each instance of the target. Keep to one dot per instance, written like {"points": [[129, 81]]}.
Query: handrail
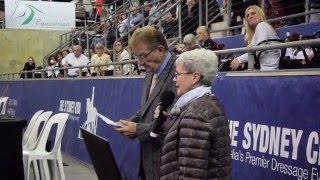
{"points": [[311, 42]]}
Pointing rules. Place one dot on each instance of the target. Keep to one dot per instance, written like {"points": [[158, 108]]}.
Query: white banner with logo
{"points": [[39, 15]]}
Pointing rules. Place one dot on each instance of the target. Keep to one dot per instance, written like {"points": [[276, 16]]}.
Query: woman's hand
{"points": [[235, 64]]}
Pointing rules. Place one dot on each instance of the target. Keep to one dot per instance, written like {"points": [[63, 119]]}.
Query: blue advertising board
{"points": [[273, 118], [274, 124]]}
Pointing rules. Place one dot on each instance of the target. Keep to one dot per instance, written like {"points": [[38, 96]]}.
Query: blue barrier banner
{"points": [[82, 99], [274, 125]]}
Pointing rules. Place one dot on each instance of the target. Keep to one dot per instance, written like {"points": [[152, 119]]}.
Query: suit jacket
{"points": [[151, 148]]}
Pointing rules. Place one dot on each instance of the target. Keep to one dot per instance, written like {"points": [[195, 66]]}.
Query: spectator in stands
{"points": [[110, 33], [70, 49], [169, 21], [298, 52], [94, 16], [98, 37], [197, 143], [151, 50], [135, 17], [122, 55], [314, 5], [51, 65], [153, 19], [29, 66], [65, 53], [60, 56], [257, 30], [123, 24], [293, 7], [146, 11], [191, 21], [100, 58], [190, 42], [203, 36], [75, 59]]}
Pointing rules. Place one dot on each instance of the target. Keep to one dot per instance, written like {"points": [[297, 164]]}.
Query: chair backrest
{"points": [[30, 126], [60, 119], [32, 139], [3, 104]]}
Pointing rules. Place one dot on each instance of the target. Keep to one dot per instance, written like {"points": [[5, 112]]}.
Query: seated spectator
{"points": [[65, 53], [60, 56], [75, 59], [135, 17], [153, 10], [257, 30], [297, 52], [122, 55], [314, 5], [94, 16], [169, 22], [190, 42], [203, 36], [98, 37], [28, 66], [110, 33], [146, 11], [51, 65], [100, 58], [123, 25]]}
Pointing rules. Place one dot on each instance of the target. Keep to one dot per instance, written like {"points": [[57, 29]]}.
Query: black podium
{"points": [[11, 164]]}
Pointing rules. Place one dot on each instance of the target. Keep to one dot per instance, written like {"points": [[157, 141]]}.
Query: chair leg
{"points": [[36, 169], [60, 167], [46, 170], [27, 165]]}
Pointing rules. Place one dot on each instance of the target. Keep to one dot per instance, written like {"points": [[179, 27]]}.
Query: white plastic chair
{"points": [[31, 135], [3, 100], [40, 153], [30, 126]]}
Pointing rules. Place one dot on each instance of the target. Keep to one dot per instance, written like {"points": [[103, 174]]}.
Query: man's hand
{"points": [[128, 128]]}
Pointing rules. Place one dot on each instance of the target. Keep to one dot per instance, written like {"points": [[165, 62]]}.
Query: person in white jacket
{"points": [[257, 31]]}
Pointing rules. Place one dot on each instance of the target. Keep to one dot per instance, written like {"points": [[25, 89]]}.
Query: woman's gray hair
{"points": [[190, 39], [200, 60]]}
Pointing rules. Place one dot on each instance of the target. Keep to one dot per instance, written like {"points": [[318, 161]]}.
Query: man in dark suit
{"points": [[150, 47]]}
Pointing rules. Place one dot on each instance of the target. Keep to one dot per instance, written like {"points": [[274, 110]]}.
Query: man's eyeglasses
{"points": [[140, 57], [176, 74]]}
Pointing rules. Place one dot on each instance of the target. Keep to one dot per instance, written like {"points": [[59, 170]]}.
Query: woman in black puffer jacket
{"points": [[197, 142]]}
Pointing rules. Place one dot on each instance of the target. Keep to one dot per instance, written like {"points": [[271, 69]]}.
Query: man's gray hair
{"points": [[190, 39], [200, 60]]}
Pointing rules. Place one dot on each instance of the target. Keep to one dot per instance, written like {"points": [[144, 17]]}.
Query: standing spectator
{"points": [[257, 30], [150, 47], [99, 58], [28, 66], [75, 59], [146, 11], [197, 142]]}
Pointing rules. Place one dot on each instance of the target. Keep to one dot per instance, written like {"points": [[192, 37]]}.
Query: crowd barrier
{"points": [[273, 118]]}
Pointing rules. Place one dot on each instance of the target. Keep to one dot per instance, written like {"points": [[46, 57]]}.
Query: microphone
{"points": [[166, 99]]}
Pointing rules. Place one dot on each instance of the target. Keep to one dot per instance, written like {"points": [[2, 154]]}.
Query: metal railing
{"points": [[312, 42]]}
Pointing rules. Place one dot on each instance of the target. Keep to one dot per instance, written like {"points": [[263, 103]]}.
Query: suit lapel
{"points": [[157, 89]]}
